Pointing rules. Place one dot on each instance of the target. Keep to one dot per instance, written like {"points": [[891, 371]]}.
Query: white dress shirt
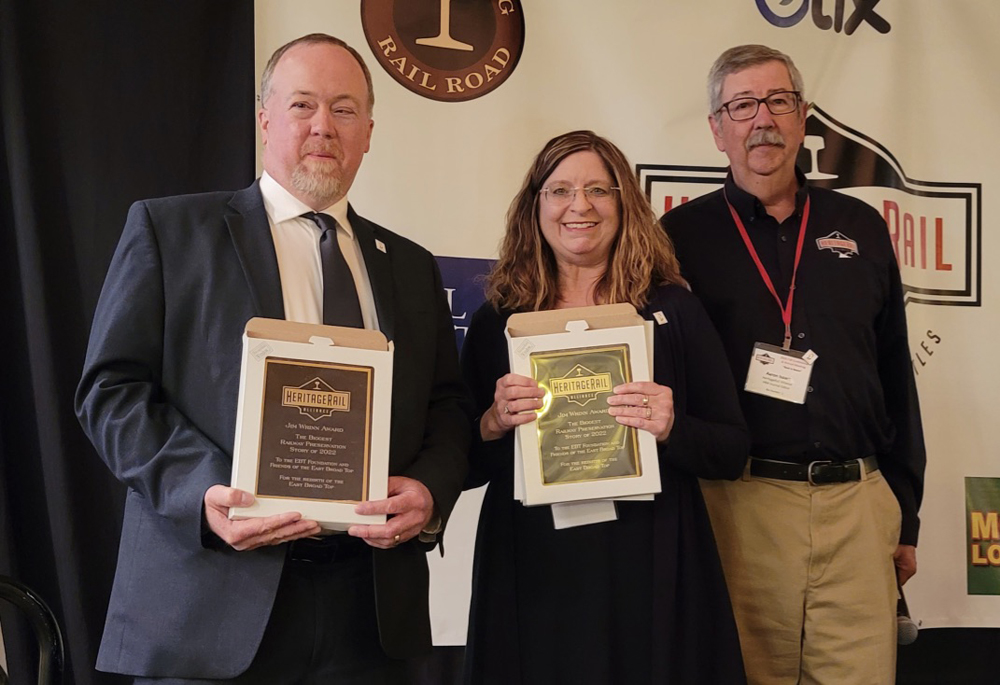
{"points": [[296, 243]]}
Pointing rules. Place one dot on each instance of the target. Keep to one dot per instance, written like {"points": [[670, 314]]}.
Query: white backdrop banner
{"points": [[904, 117]]}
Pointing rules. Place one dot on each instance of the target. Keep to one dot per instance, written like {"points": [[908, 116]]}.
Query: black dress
{"points": [[637, 600]]}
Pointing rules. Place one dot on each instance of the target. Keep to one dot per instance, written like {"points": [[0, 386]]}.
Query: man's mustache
{"points": [[331, 149], [764, 136]]}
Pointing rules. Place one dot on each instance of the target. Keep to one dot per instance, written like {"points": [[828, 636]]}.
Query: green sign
{"points": [[982, 531]]}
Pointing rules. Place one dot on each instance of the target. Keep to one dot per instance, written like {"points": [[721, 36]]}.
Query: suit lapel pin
{"points": [[380, 245]]}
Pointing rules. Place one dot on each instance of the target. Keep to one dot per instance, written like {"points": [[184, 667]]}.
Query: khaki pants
{"points": [[811, 576]]}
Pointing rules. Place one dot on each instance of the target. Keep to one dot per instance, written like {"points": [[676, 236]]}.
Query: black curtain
{"points": [[101, 104]]}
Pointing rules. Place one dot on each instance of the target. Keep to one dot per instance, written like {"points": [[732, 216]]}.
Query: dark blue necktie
{"points": [[340, 296]]}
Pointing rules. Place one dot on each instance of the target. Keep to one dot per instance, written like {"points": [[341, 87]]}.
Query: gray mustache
{"points": [[765, 137]]}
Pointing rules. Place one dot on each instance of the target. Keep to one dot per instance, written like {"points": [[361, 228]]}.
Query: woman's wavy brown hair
{"points": [[525, 277]]}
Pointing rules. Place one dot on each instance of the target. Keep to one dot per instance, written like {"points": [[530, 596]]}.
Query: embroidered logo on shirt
{"points": [[839, 243]]}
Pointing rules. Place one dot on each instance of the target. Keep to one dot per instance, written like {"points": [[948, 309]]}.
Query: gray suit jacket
{"points": [[158, 399]]}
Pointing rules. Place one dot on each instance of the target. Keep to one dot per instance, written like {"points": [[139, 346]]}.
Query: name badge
{"points": [[778, 373]]}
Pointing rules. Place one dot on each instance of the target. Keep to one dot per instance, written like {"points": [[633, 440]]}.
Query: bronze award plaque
{"points": [[578, 439], [315, 437]]}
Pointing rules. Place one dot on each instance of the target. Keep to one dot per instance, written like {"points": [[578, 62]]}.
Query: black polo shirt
{"points": [[848, 309]]}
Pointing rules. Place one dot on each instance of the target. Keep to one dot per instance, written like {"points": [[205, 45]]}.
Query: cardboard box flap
{"points": [[555, 320], [293, 331]]}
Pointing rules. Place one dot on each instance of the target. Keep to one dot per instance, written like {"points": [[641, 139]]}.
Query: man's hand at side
{"points": [[255, 532], [410, 506], [905, 559]]}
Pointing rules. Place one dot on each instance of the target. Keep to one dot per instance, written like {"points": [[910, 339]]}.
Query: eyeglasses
{"points": [[742, 109], [561, 195]]}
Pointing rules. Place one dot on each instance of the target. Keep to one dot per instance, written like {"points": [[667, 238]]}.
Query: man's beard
{"points": [[321, 184], [764, 136], [318, 178]]}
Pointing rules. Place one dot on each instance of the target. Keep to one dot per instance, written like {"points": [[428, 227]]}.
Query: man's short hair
{"points": [[313, 39], [742, 57]]}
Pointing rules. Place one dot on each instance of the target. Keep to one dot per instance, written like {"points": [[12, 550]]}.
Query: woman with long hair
{"points": [[640, 599]]}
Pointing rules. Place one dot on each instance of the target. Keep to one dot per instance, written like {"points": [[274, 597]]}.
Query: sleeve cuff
{"points": [[431, 530]]}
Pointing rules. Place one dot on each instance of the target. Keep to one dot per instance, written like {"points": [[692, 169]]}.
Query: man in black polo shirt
{"points": [[803, 286]]}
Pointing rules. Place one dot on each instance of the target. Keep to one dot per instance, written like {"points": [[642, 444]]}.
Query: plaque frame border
{"points": [[357, 368]]}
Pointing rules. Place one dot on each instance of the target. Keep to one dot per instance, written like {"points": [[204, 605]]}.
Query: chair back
{"points": [[43, 622]]}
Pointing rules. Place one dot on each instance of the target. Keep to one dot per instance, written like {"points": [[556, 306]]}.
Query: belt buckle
{"points": [[809, 471]]}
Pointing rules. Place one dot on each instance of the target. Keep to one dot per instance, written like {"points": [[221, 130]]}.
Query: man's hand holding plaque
{"points": [[409, 508], [255, 532]]}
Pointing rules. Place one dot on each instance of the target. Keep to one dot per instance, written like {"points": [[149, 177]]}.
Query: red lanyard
{"points": [[786, 309]]}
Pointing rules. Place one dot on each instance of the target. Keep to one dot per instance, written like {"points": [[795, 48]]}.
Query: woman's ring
{"points": [[506, 409], [649, 413], [645, 400], [395, 540]]}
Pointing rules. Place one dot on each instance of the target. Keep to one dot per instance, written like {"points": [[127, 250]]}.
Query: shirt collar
{"points": [[281, 205], [747, 205]]}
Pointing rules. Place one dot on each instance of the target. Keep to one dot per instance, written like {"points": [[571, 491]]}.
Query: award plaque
{"points": [[315, 439], [312, 421], [578, 440], [575, 450]]}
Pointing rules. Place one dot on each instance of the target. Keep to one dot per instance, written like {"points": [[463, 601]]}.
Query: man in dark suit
{"points": [[198, 596]]}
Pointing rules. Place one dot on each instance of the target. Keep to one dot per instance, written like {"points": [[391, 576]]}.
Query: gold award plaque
{"points": [[315, 437], [578, 439]]}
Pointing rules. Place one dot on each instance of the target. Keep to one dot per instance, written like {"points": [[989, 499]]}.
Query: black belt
{"points": [[328, 549], [815, 473]]}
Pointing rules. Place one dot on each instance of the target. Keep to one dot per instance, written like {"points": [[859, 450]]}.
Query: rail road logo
{"points": [[788, 13], [982, 526], [838, 243], [581, 385], [935, 227], [447, 50], [315, 399], [764, 358]]}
